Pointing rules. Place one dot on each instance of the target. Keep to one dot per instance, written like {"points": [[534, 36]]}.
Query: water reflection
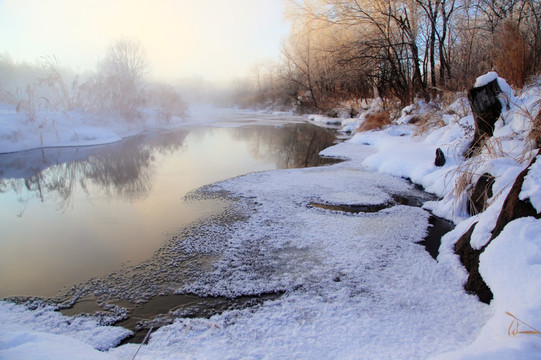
{"points": [[121, 170], [291, 147], [68, 214], [125, 170]]}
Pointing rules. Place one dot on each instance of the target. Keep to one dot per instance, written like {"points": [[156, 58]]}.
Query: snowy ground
{"points": [[356, 286]]}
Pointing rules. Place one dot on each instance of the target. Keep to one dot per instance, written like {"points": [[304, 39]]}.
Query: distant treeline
{"points": [[118, 86], [401, 50]]}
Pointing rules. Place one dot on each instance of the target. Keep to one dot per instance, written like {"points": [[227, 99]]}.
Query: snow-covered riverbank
{"points": [[355, 286], [79, 128], [510, 263]]}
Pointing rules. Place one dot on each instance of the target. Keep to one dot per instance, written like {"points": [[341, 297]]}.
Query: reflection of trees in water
{"points": [[125, 173], [126, 169], [123, 170], [293, 146]]}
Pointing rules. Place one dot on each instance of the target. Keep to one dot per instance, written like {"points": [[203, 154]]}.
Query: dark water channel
{"points": [[437, 226], [70, 214]]}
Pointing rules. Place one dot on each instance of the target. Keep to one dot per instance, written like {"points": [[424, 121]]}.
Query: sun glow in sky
{"points": [[214, 39]]}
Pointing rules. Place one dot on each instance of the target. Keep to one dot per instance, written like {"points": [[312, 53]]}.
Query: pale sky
{"points": [[215, 39]]}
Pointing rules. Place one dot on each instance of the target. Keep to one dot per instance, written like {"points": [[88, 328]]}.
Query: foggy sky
{"points": [[215, 39]]}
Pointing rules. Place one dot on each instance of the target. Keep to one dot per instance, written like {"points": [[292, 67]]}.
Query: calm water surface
{"points": [[68, 214]]}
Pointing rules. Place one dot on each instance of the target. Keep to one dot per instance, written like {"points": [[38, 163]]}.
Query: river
{"points": [[70, 214]]}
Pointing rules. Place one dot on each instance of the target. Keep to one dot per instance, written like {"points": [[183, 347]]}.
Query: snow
{"points": [[324, 120], [485, 79], [510, 263], [507, 95], [24, 343], [78, 128], [55, 129], [354, 285], [491, 76], [511, 268], [531, 189], [505, 171], [350, 280], [46, 334]]}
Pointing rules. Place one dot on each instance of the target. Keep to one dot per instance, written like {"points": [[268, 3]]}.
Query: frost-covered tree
{"points": [[119, 84]]}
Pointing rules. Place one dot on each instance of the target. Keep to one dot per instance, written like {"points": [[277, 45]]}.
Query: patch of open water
{"points": [[70, 214]]}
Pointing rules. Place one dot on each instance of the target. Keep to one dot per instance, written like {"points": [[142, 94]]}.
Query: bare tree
{"points": [[387, 33], [126, 59], [298, 52], [405, 49], [121, 77]]}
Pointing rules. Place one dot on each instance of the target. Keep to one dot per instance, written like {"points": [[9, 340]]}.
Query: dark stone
{"points": [[486, 108], [514, 208], [481, 193], [470, 259], [440, 158]]}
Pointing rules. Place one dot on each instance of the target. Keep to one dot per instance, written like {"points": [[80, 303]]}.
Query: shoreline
{"points": [[163, 309]]}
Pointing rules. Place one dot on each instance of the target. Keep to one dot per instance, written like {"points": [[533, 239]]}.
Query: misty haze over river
{"points": [[68, 214]]}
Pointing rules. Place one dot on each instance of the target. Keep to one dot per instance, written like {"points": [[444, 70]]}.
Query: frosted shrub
{"points": [[534, 135], [48, 88], [61, 87], [27, 103], [167, 102], [112, 94]]}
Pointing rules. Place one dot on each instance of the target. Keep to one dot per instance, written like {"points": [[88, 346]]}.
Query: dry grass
{"points": [[512, 59], [448, 97], [427, 122], [375, 121], [467, 173], [492, 148], [464, 188], [464, 109], [515, 324], [535, 133], [144, 340], [533, 114]]}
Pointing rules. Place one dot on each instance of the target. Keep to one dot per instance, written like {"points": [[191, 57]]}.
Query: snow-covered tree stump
{"points": [[486, 108]]}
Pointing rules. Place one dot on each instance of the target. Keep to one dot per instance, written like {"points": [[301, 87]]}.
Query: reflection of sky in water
{"points": [[110, 205]]}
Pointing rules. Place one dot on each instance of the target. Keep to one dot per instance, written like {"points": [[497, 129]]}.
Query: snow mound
{"points": [[510, 266]]}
